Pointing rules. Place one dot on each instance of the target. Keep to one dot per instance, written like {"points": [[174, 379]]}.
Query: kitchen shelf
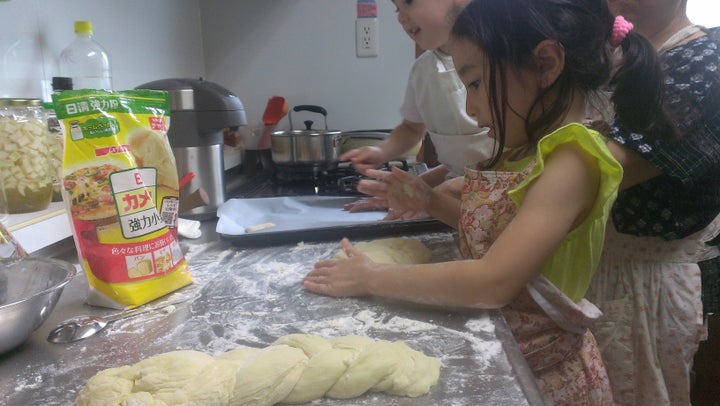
{"points": [[40, 229]]}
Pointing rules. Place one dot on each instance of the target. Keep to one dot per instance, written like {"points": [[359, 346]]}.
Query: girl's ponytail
{"points": [[637, 88]]}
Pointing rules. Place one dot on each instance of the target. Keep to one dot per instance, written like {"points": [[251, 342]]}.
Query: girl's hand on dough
{"points": [[341, 277]]}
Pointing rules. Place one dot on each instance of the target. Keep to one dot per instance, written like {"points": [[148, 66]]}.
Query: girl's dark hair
{"points": [[507, 31]]}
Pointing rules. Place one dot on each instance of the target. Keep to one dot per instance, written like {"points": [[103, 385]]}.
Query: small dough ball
{"points": [[398, 250], [258, 227]]}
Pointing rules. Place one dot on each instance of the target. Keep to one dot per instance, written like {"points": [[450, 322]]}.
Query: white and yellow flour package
{"points": [[120, 186]]}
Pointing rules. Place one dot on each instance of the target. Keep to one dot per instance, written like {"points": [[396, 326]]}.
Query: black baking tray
{"points": [[323, 234]]}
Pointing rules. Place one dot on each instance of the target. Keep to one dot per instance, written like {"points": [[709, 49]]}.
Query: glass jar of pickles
{"points": [[24, 165]]}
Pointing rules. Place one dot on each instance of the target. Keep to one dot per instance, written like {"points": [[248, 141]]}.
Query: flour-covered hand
{"points": [[366, 204], [341, 277], [402, 190]]}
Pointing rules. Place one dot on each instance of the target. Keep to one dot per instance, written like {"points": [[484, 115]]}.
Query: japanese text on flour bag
{"points": [[120, 185]]}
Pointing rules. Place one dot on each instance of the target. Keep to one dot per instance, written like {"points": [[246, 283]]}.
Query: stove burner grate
{"points": [[303, 180]]}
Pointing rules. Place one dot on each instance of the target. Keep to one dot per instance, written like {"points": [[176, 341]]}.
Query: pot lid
{"points": [[309, 132]]}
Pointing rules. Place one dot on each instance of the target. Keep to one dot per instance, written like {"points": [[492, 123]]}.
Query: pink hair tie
{"points": [[621, 28]]}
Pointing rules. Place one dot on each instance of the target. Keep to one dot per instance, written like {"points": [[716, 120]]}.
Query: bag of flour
{"points": [[120, 186]]}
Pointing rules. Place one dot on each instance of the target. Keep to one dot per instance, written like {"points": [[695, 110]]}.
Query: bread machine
{"points": [[199, 110]]}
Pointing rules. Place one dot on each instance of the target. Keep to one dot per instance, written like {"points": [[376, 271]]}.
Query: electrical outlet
{"points": [[366, 37]]}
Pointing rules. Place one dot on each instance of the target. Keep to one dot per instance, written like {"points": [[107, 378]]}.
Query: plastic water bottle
{"points": [[85, 60]]}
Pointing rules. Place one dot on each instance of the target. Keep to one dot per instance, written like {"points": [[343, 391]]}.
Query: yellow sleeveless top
{"points": [[572, 265]]}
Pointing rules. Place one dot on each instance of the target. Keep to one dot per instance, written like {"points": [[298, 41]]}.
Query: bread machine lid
{"points": [[196, 94]]}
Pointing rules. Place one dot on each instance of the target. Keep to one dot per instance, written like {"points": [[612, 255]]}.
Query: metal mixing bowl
{"points": [[29, 290]]}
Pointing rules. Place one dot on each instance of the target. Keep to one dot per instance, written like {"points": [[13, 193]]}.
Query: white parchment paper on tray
{"points": [[289, 214]]}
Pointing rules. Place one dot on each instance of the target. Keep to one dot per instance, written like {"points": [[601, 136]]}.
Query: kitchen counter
{"points": [[250, 297], [37, 230]]}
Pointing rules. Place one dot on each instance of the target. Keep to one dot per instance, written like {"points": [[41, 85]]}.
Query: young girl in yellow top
{"points": [[531, 229]]}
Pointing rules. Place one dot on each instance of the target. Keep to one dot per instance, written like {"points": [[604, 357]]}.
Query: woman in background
{"points": [[664, 220]]}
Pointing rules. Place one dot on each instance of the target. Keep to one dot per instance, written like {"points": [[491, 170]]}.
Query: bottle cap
{"points": [[83, 27], [60, 83]]}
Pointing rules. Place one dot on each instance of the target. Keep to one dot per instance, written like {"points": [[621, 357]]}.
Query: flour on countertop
{"points": [[251, 297], [481, 324]]}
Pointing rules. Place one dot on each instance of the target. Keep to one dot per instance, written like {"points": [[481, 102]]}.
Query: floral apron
{"points": [[653, 320], [550, 329]]}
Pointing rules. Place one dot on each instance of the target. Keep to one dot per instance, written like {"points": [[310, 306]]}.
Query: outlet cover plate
{"points": [[366, 37]]}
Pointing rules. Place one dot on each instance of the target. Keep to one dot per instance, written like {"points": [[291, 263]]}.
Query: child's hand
{"points": [[366, 204], [364, 158], [341, 277], [402, 190], [395, 214]]}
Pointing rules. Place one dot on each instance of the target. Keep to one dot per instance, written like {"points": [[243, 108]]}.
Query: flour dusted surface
{"points": [[250, 298]]}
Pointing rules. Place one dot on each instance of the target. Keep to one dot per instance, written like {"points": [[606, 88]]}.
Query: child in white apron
{"points": [[434, 103]]}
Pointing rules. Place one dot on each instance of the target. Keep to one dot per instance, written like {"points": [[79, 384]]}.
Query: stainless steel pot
{"points": [[350, 140], [308, 146]]}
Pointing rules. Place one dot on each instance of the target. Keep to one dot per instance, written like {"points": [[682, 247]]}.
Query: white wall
{"points": [[704, 12], [146, 40], [304, 50]]}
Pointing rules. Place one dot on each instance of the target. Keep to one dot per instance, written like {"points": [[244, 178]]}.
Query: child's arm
{"points": [[636, 169], [452, 186], [555, 203], [402, 138], [435, 176]]}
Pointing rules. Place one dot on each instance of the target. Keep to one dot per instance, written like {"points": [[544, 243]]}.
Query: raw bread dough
{"points": [[258, 227], [296, 368], [393, 251]]}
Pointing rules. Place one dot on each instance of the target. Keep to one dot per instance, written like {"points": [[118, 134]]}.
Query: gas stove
{"points": [[307, 180]]}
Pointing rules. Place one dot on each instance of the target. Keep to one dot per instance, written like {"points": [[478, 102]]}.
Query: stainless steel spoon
{"points": [[81, 327]]}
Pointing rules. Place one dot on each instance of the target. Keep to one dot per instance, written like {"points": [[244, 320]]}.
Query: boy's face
{"points": [[428, 22]]}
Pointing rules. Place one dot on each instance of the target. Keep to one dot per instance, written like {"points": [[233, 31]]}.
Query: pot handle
{"points": [[310, 108]]}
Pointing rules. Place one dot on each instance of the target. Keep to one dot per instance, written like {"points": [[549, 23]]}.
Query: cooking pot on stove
{"points": [[350, 140], [368, 138], [306, 147]]}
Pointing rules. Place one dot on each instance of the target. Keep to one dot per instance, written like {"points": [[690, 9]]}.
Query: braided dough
{"points": [[393, 251], [296, 368]]}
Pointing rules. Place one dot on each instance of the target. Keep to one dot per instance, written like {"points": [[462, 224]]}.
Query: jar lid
{"points": [[20, 102]]}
